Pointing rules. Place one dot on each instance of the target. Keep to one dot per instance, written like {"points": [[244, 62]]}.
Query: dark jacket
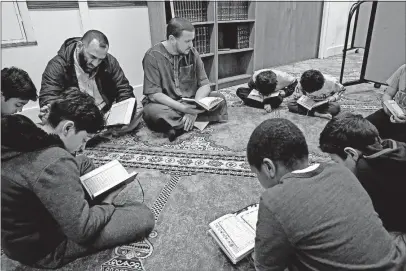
{"points": [[60, 74], [42, 200], [382, 172]]}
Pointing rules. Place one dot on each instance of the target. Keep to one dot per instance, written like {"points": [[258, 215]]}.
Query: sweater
{"points": [[42, 200], [322, 219]]}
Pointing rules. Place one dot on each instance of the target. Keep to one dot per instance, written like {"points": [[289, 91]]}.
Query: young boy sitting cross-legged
{"points": [[317, 87], [380, 165], [46, 219], [316, 217], [267, 88]]}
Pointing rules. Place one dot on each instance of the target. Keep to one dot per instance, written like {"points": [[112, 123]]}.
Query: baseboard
{"points": [[335, 50]]}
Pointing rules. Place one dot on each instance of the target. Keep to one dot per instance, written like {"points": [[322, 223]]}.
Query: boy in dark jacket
{"points": [[17, 89], [380, 165], [267, 88], [46, 220]]}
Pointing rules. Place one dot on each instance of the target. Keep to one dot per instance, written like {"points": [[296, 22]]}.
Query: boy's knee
{"points": [[334, 109], [148, 219], [292, 106]]}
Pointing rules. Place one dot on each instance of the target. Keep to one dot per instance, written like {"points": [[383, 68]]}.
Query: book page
{"points": [[255, 95], [306, 102], [250, 217], [210, 102], [121, 112], [103, 178]]}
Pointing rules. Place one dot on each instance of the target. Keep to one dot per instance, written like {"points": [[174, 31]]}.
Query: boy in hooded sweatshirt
{"points": [[46, 218], [380, 165]]}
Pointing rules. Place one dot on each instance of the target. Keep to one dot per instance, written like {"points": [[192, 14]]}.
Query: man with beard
{"points": [[85, 63], [174, 70]]}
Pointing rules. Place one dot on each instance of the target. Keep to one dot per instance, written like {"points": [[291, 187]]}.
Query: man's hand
{"points": [[282, 93], [44, 113], [331, 99], [191, 109], [268, 108], [399, 119], [188, 121], [130, 127]]}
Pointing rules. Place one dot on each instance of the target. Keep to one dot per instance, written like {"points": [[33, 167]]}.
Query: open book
{"points": [[106, 177], [207, 103], [121, 113], [235, 233], [310, 104], [394, 108], [256, 96]]}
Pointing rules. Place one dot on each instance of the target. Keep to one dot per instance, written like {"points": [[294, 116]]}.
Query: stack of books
{"points": [[232, 10], [243, 36], [202, 39], [194, 11]]}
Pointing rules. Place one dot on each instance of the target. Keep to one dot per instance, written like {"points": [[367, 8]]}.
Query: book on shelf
{"points": [[256, 96], [194, 11], [394, 108], [235, 233], [309, 103], [106, 178], [207, 102], [121, 113]]}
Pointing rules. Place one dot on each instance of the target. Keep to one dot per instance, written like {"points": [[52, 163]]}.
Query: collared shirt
{"points": [[398, 82], [174, 75], [87, 82]]}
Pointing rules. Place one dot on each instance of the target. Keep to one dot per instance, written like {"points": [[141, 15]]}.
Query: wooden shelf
{"points": [[233, 51], [206, 55], [203, 23], [236, 21]]}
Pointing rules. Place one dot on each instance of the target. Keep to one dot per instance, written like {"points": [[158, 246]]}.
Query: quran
{"points": [[256, 96], [121, 113], [207, 102], [310, 104], [106, 177], [394, 108], [235, 233]]}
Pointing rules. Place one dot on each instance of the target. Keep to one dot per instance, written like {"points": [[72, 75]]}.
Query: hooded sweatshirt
{"points": [[60, 74], [382, 172], [42, 200]]}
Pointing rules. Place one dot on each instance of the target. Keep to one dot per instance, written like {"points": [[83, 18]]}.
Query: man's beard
{"points": [[83, 63]]}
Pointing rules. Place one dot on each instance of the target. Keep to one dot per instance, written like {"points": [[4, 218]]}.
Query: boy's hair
{"points": [[16, 83], [78, 107], [312, 80], [347, 130], [177, 25], [279, 140], [266, 82]]}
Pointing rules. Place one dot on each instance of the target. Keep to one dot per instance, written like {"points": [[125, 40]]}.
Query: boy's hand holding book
{"points": [[397, 115]]}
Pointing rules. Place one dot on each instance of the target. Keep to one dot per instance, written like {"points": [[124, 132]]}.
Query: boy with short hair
{"points": [[318, 87], [389, 126], [314, 217], [47, 220], [380, 165], [267, 82], [17, 89]]}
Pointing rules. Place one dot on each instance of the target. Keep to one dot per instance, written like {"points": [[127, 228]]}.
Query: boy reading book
{"points": [[389, 124], [47, 220], [267, 88], [322, 93], [17, 89], [313, 217]]}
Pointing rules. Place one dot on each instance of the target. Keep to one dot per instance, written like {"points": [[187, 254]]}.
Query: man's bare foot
{"points": [[323, 116]]}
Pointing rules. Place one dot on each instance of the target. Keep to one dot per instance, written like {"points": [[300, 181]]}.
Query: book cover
{"points": [[121, 113]]}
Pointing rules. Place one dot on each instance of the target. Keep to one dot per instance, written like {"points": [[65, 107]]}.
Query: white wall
{"points": [[126, 27], [334, 26]]}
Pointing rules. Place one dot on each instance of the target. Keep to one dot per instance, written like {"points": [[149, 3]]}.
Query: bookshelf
{"points": [[224, 35]]}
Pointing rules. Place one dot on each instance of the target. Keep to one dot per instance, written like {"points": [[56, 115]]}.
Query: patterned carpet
{"points": [[202, 175]]}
